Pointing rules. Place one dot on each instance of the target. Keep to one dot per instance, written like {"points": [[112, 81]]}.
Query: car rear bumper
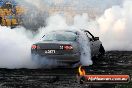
{"points": [[62, 58]]}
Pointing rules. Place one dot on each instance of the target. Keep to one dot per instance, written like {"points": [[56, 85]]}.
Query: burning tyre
{"points": [[63, 46]]}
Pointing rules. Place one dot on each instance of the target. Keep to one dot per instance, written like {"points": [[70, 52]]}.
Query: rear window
{"points": [[60, 36]]}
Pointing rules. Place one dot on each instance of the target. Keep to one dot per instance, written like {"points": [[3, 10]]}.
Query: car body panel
{"points": [[60, 54], [55, 49], [57, 45]]}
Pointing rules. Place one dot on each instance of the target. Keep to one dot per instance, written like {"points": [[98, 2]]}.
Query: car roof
{"points": [[74, 31], [62, 31]]}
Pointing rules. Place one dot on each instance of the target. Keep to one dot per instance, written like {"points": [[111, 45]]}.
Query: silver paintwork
{"points": [[66, 56]]}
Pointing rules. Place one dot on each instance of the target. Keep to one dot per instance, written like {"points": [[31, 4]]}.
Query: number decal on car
{"points": [[49, 51]]}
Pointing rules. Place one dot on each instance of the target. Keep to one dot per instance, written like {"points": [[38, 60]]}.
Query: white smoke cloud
{"points": [[115, 27], [85, 50], [15, 48], [84, 22]]}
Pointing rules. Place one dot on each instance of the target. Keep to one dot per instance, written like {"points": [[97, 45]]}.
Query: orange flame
{"points": [[81, 71]]}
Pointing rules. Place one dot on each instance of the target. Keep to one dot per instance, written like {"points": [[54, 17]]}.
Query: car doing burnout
{"points": [[63, 46]]}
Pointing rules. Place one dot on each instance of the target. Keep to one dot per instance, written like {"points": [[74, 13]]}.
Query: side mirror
{"points": [[96, 38]]}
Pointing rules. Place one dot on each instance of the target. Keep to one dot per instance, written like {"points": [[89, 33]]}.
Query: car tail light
{"points": [[35, 47], [68, 47]]}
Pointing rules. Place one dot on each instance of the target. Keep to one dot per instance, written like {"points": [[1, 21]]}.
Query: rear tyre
{"points": [[82, 80], [101, 51], [98, 58]]}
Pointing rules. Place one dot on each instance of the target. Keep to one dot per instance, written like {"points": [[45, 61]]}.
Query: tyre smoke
{"points": [[15, 46], [115, 27], [85, 50]]}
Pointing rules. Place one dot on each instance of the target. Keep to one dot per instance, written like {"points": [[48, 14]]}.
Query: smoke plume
{"points": [[115, 27], [15, 48]]}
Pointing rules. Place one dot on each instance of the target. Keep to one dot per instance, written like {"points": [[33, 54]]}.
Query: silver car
{"points": [[63, 46]]}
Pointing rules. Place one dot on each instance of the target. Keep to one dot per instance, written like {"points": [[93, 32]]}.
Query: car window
{"points": [[60, 36]]}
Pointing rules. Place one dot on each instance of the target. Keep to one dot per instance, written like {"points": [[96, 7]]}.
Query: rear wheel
{"points": [[101, 51], [81, 79]]}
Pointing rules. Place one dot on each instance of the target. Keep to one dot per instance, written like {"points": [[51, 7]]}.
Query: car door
{"points": [[93, 43], [91, 40]]}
